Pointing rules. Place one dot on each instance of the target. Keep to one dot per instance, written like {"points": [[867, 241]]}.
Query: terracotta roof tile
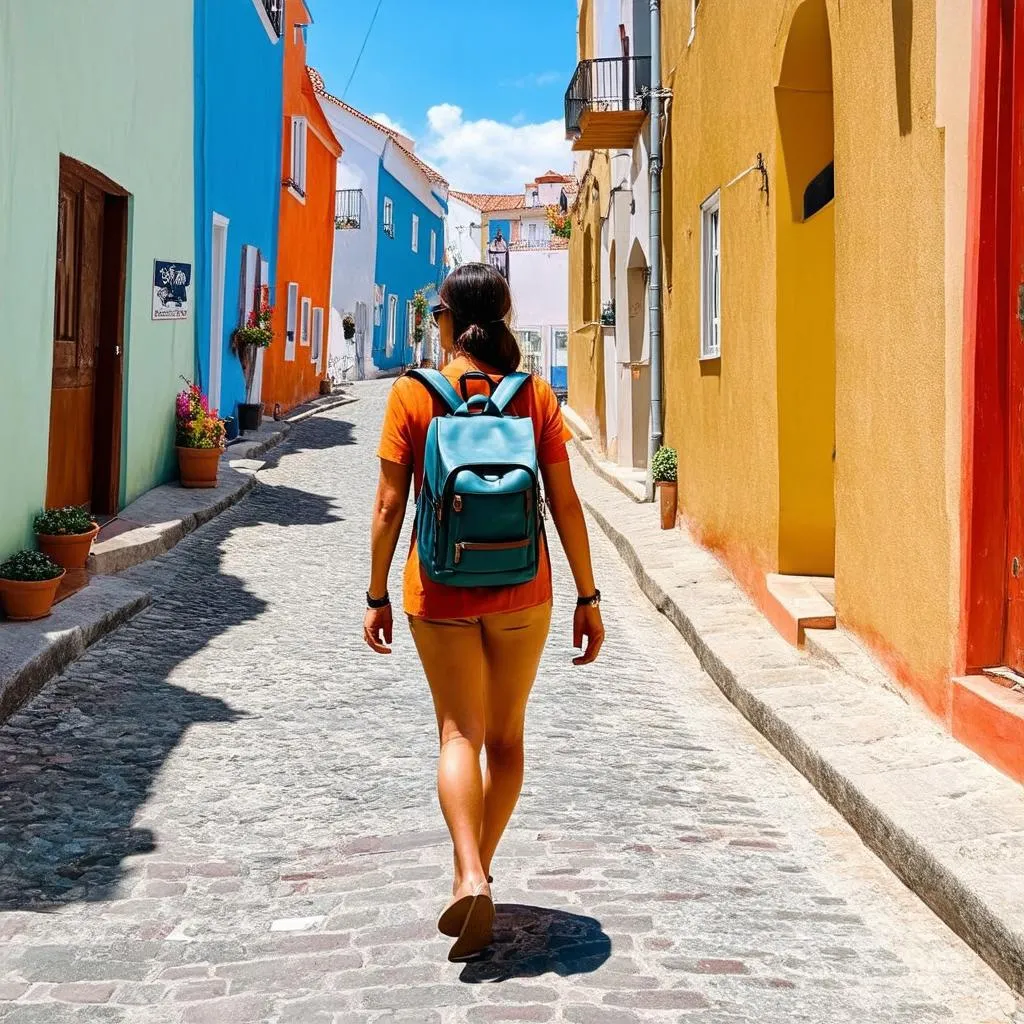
{"points": [[488, 203], [400, 140]]}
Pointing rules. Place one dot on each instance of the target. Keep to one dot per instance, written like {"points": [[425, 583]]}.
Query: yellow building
{"points": [[817, 237]]}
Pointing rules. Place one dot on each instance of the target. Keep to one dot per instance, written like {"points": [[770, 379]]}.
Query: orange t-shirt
{"points": [[410, 409]]}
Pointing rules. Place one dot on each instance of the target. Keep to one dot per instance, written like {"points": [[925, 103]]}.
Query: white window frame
{"points": [[415, 233], [300, 136], [554, 346], [290, 322], [538, 351], [389, 217], [317, 349], [307, 305], [389, 343], [433, 248], [711, 277]]}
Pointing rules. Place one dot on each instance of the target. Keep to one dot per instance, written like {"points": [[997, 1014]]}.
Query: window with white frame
{"points": [[290, 321], [389, 218], [298, 172], [711, 278], [433, 248], [389, 345], [530, 344], [304, 336], [318, 336], [415, 233]]}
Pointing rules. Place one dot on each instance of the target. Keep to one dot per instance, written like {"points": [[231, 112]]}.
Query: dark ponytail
{"points": [[480, 303]]}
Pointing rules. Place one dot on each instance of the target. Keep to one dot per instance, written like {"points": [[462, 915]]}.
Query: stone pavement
{"points": [[224, 812]]}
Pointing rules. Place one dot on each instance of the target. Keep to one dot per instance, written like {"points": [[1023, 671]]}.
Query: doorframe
{"points": [[988, 314], [218, 285], [108, 384]]}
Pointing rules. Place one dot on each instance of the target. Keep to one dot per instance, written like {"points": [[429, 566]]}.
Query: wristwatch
{"points": [[378, 602], [594, 601]]}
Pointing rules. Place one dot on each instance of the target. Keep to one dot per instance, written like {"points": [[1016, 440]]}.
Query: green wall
{"points": [[110, 83]]}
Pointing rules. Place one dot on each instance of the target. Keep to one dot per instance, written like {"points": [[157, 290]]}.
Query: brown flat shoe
{"points": [[478, 928], [453, 917]]}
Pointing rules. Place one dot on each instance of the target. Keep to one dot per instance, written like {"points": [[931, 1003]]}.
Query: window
{"points": [[298, 175], [293, 310], [560, 356], [389, 218], [392, 317], [433, 248], [304, 337], [531, 232], [711, 278], [318, 336], [415, 233], [530, 345]]}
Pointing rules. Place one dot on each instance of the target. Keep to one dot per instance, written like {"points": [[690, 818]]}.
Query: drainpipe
{"points": [[654, 289]]}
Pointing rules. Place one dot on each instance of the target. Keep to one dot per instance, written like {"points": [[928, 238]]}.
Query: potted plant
{"points": [[199, 438], [256, 334], [348, 326], [664, 469], [66, 535], [326, 385], [608, 313], [28, 585]]}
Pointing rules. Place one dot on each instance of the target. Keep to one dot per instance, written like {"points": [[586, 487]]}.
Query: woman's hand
{"points": [[587, 623], [378, 629]]}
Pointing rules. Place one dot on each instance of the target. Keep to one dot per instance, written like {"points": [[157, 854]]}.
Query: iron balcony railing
{"points": [[607, 84], [275, 12], [348, 208]]}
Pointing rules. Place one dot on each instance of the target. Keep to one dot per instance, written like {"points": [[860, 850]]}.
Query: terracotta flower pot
{"points": [[24, 601], [68, 550], [326, 387], [669, 492], [198, 466]]}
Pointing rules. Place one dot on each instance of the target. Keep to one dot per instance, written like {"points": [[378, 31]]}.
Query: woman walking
{"points": [[480, 645]]}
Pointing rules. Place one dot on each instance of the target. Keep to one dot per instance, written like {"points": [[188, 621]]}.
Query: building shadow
{"points": [[329, 433], [81, 759], [532, 941]]}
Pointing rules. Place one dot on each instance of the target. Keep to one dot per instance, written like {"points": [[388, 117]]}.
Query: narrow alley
{"points": [[225, 812]]}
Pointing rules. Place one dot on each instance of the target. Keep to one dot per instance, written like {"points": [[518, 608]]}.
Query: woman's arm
{"points": [[388, 516], [567, 513]]}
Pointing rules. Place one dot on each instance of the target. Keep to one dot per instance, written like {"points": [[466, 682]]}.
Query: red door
{"points": [[1014, 162]]}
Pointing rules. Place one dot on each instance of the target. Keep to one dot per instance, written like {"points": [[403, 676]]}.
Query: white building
{"points": [[518, 239], [462, 228]]}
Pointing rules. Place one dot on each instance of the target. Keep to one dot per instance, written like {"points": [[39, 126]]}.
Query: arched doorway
{"points": [[637, 375], [805, 296]]}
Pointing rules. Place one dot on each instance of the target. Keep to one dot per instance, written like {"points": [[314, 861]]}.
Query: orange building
{"points": [[296, 362]]}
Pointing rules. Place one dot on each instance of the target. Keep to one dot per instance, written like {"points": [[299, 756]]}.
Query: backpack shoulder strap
{"points": [[438, 384], [508, 389]]}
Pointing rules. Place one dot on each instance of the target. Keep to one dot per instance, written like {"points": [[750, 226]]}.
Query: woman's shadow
{"points": [[531, 941]]}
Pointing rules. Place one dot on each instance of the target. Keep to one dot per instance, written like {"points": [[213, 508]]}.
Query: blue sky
{"points": [[478, 84]]}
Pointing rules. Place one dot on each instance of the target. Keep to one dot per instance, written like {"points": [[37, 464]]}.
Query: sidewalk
{"points": [[949, 825], [32, 653]]}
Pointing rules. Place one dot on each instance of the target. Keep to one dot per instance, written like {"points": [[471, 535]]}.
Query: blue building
{"points": [[239, 68], [389, 243]]}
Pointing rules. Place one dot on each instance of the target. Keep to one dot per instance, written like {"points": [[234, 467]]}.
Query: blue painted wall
{"points": [[401, 271], [505, 226], [239, 84]]}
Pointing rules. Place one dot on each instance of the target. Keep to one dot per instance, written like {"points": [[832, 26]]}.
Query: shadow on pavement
{"points": [[80, 760], [531, 941], [318, 434]]}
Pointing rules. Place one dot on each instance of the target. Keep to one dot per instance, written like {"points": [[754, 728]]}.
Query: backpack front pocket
{"points": [[492, 556]]}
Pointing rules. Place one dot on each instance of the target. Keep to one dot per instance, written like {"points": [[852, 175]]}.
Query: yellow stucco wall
{"points": [[895, 390]]}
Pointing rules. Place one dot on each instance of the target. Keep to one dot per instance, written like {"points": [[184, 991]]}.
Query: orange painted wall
{"points": [[305, 250]]}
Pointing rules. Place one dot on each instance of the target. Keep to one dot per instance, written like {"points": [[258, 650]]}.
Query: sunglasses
{"points": [[436, 311]]}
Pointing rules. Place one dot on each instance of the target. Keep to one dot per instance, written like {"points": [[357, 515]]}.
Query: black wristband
{"points": [[585, 602], [378, 602]]}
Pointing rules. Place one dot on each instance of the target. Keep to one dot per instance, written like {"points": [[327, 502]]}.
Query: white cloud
{"points": [[391, 123], [492, 156]]}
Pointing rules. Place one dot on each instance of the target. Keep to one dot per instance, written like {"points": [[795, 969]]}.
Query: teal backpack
{"points": [[479, 517]]}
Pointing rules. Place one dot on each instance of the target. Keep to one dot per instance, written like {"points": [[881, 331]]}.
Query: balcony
{"points": [[275, 14], [348, 209], [607, 101]]}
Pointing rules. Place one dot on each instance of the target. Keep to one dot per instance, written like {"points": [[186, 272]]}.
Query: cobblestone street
{"points": [[225, 814]]}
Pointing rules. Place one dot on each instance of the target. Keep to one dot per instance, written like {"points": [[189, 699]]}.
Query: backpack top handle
{"points": [[475, 375]]}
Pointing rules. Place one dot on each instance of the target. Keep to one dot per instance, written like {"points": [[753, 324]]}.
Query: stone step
{"points": [[796, 603]]}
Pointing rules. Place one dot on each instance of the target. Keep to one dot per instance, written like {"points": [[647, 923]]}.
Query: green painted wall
{"points": [[110, 83]]}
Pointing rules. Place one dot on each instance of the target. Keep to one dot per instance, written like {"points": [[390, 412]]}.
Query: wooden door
{"points": [[76, 326], [1013, 162]]}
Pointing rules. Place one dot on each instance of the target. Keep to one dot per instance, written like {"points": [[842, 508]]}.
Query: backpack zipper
{"points": [[468, 545]]}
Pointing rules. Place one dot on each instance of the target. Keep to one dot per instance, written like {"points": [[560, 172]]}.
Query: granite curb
{"points": [[940, 818]]}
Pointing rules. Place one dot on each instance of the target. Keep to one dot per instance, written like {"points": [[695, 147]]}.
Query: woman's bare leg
{"points": [[453, 660], [513, 645]]}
